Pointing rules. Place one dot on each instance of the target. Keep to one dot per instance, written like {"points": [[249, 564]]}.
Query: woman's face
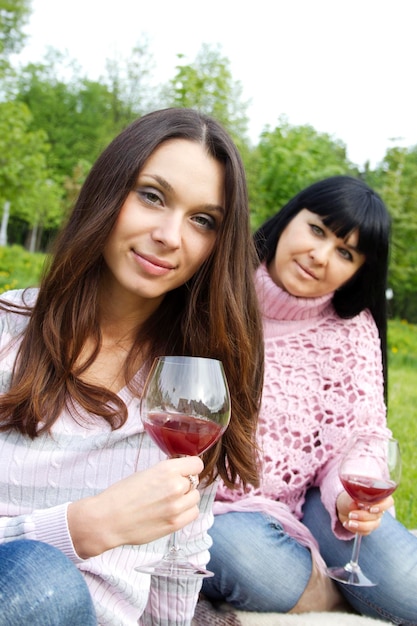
{"points": [[168, 225], [310, 260]]}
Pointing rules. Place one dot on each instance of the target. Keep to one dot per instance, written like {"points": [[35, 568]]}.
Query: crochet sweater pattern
{"points": [[323, 381]]}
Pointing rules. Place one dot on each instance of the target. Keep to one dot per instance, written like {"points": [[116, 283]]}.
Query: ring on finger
{"points": [[193, 481]]}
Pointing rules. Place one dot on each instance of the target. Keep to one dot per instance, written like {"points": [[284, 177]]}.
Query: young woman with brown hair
{"points": [[156, 258]]}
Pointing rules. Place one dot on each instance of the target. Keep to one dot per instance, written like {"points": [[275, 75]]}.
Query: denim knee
{"points": [[41, 586], [257, 566], [388, 556]]}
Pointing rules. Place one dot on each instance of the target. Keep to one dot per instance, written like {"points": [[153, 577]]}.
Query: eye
{"points": [[150, 196], [317, 230], [346, 254], [207, 222]]}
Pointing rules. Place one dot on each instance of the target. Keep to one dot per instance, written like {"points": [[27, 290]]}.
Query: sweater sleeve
{"points": [[367, 410], [50, 524], [47, 525]]}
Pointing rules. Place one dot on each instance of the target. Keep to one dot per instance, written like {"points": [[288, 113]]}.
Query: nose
{"points": [[168, 232], [321, 253]]}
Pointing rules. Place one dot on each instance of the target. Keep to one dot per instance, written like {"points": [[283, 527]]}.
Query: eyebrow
{"points": [[162, 181], [351, 247], [166, 185], [348, 245], [354, 249]]}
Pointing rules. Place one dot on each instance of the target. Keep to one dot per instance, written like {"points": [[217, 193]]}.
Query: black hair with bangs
{"points": [[344, 204]]}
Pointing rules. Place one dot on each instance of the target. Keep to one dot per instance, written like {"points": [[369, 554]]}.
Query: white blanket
{"points": [[306, 619], [207, 615]]}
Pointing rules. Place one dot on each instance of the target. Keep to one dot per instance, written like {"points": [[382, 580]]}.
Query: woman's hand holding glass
{"points": [[370, 471], [185, 408], [138, 509], [361, 520]]}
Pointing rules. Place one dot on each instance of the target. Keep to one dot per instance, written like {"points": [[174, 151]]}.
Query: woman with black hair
{"points": [[321, 283]]}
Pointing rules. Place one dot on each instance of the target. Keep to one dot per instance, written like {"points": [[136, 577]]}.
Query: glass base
{"points": [[173, 565], [349, 575]]}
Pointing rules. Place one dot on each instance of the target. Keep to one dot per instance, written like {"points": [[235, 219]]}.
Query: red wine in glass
{"points": [[179, 434], [185, 408], [369, 471], [367, 490]]}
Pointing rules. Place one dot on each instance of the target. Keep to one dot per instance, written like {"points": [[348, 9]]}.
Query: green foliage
{"points": [[67, 111], [396, 181], [19, 268], [79, 117], [13, 16], [402, 344], [207, 85], [128, 80], [287, 159], [24, 177]]}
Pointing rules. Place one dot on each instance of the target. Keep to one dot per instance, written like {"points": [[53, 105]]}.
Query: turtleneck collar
{"points": [[280, 305]]}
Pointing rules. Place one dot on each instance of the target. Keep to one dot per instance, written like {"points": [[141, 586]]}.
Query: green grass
{"points": [[402, 412], [19, 269]]}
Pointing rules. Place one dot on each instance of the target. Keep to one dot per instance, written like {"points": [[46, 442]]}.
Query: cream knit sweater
{"points": [[38, 478]]}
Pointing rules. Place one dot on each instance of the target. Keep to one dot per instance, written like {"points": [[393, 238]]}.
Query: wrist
{"points": [[87, 528]]}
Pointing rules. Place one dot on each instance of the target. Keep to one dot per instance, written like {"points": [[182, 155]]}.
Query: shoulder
{"points": [[347, 336], [15, 307], [362, 324], [20, 297]]}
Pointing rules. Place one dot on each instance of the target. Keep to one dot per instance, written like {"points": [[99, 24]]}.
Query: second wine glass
{"points": [[185, 408], [369, 471]]}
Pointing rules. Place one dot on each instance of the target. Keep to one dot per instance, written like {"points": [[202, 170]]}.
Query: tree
{"points": [[74, 112], [25, 184], [207, 85], [128, 82], [81, 116], [13, 16], [396, 180], [288, 159]]}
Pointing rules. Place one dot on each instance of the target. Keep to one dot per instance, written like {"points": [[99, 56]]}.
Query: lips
{"points": [[155, 261], [152, 265], [307, 271]]}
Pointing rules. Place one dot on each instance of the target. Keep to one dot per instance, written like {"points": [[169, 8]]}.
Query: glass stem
{"points": [[174, 552], [355, 551], [173, 547]]}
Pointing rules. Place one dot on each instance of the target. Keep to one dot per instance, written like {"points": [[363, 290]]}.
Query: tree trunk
{"points": [[33, 238], [4, 223]]}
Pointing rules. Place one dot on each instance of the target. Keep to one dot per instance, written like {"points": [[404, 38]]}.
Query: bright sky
{"points": [[346, 67]]}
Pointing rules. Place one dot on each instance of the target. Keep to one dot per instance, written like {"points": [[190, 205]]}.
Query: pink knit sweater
{"points": [[323, 380]]}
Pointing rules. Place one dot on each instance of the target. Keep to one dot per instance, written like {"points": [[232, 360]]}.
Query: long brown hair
{"points": [[215, 314]]}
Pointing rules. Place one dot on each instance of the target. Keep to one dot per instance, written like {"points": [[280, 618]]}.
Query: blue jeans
{"points": [[40, 586], [258, 567]]}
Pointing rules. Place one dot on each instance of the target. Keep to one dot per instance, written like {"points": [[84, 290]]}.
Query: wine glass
{"points": [[370, 470], [185, 408]]}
